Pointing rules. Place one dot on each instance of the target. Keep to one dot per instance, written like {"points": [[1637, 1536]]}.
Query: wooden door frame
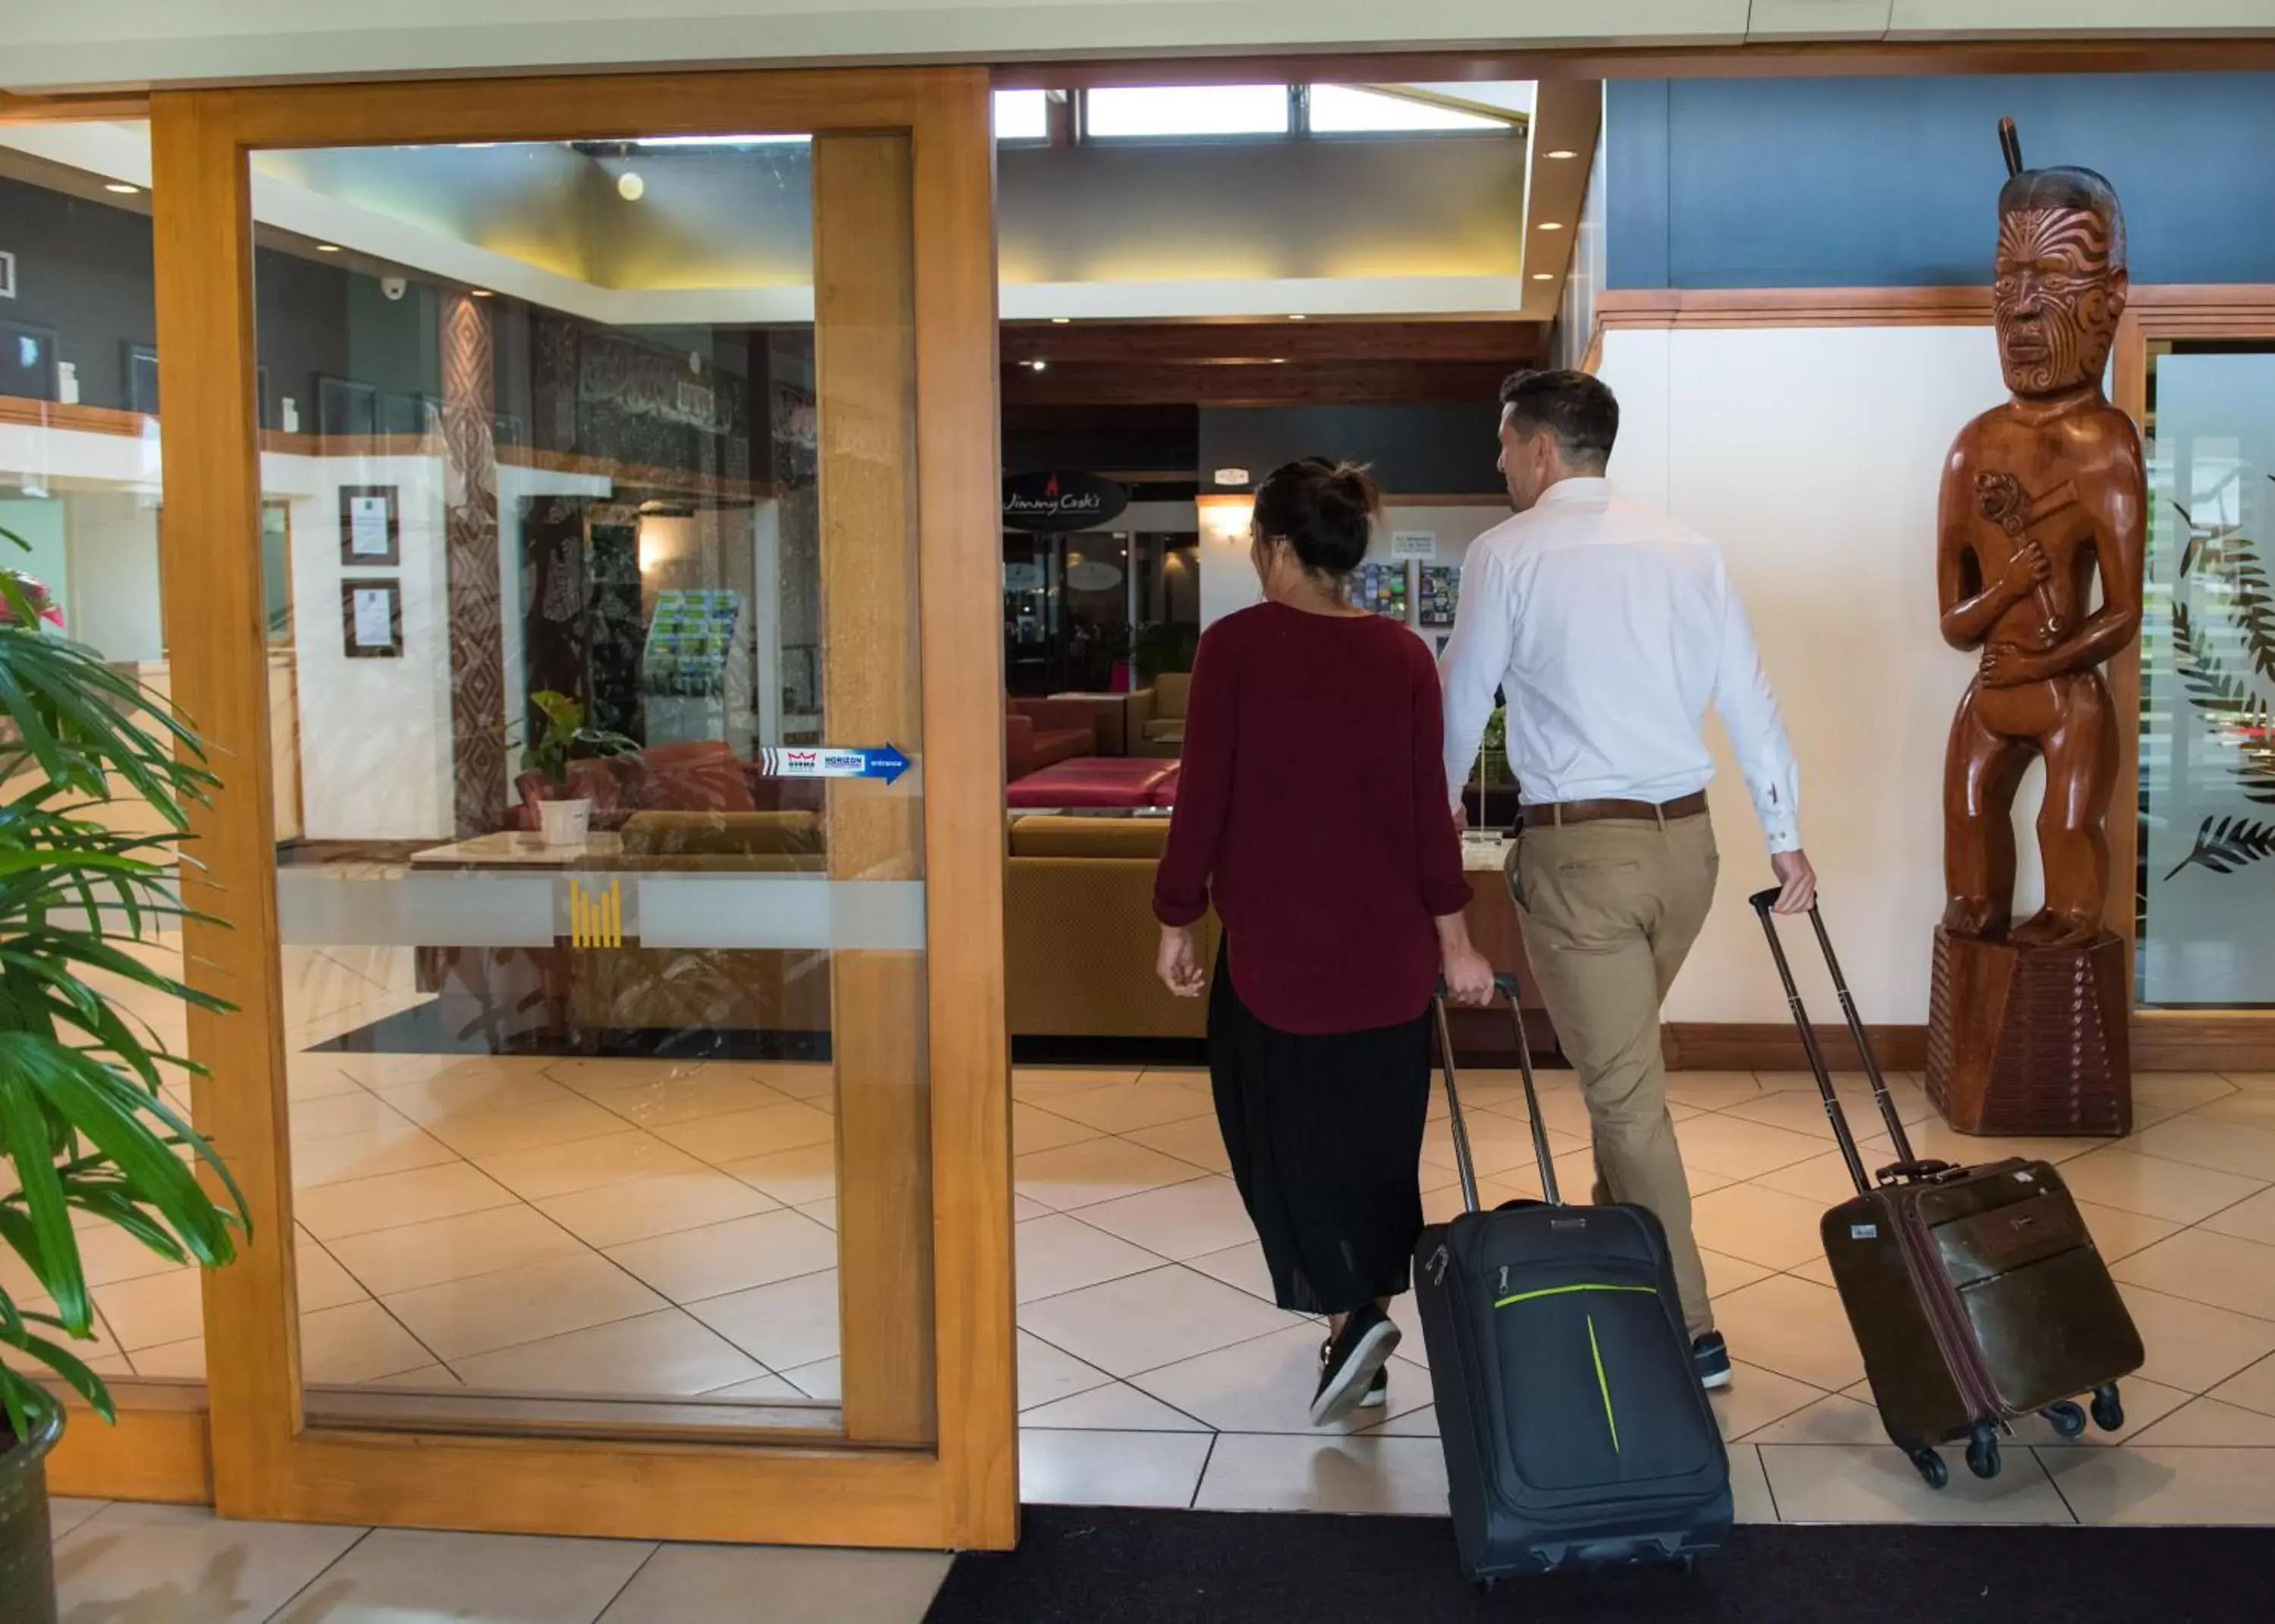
{"points": [[268, 1460], [2171, 1039]]}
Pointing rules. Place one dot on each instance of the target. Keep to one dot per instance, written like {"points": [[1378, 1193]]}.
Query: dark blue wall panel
{"points": [[1891, 182]]}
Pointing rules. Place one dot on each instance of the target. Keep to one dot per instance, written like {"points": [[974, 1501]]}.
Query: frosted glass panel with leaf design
{"points": [[2207, 894]]}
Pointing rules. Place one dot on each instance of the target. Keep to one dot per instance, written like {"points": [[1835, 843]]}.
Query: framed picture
{"points": [[371, 526], [371, 617], [28, 361], [409, 414], [141, 369], [346, 407]]}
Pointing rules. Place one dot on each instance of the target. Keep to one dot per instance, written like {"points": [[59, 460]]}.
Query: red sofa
{"points": [[1091, 783], [1039, 733]]}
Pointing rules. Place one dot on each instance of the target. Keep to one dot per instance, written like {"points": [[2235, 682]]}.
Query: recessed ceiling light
{"points": [[630, 186], [1039, 366], [1552, 226], [1544, 276], [120, 187], [1279, 360], [1299, 316], [480, 292], [1060, 321], [328, 247], [1562, 151]]}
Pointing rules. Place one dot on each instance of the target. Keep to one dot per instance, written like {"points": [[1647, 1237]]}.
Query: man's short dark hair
{"points": [[1578, 410]]}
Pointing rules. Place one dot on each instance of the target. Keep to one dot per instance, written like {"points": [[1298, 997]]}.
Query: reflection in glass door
{"points": [[605, 1041], [2208, 679]]}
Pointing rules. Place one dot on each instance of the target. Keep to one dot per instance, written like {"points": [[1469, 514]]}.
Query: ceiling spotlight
{"points": [[120, 187], [328, 247], [631, 187], [1299, 316], [1544, 276], [1060, 321], [1562, 151], [480, 292], [1039, 365], [1552, 226]]}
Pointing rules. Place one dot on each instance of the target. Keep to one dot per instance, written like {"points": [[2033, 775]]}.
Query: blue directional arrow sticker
{"points": [[828, 761]]}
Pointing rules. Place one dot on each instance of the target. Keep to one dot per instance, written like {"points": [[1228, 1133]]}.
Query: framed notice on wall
{"points": [[371, 618], [371, 526]]}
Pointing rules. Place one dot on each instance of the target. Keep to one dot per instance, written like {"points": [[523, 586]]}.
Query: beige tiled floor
{"points": [[168, 1565], [652, 1229]]}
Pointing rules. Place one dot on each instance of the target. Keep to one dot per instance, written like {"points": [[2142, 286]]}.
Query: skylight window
{"points": [[1022, 115], [1346, 109], [1189, 109]]}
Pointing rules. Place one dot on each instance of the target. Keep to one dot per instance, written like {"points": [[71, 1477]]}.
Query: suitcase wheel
{"points": [[1930, 1467], [2108, 1412], [1982, 1452], [2066, 1419]]}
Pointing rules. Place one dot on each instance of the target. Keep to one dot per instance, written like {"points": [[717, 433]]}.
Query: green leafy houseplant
{"points": [[1165, 646], [1492, 752], [84, 1125], [565, 739]]}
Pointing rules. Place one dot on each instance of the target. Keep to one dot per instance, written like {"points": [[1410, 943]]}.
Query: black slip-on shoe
{"points": [[1710, 1356], [1351, 1362]]}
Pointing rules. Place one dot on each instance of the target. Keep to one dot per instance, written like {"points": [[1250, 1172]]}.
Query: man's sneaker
{"points": [[1350, 1362], [1709, 1356]]}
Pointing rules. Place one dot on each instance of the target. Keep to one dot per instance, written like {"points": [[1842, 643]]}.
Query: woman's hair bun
{"points": [[1325, 510]]}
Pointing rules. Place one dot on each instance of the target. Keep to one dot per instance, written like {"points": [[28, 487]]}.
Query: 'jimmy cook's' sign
{"points": [[1061, 501]]}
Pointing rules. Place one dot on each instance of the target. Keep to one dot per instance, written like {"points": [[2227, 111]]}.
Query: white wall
{"points": [[374, 734], [114, 559], [1813, 456], [1229, 582]]}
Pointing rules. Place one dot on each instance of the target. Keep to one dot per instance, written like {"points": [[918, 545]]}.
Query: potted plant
{"points": [[564, 819], [85, 1124]]}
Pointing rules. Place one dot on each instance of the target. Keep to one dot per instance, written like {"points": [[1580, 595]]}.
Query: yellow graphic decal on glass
{"points": [[596, 921]]}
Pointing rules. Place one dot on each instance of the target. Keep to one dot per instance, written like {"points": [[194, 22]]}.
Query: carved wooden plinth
{"points": [[2029, 1041]]}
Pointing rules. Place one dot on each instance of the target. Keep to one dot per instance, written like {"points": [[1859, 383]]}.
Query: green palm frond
{"points": [[2239, 716], [85, 1125]]}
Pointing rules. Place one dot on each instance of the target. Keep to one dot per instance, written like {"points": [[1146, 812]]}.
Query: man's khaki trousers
{"points": [[1610, 909]]}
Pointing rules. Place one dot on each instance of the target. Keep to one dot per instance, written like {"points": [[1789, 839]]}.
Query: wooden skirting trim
{"points": [[2211, 1040], [132, 425], [14, 409], [1701, 1046], [1662, 307], [160, 1450]]}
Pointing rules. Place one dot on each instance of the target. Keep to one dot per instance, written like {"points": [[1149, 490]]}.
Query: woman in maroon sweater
{"points": [[1312, 812]]}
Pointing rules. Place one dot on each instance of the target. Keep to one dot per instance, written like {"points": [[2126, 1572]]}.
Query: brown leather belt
{"points": [[1568, 812]]}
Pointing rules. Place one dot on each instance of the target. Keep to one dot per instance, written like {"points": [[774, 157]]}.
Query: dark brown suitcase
{"points": [[1976, 1295]]}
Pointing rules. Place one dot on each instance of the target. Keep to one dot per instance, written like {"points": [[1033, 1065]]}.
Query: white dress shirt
{"points": [[1610, 629]]}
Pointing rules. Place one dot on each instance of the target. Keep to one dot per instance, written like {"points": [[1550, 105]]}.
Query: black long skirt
{"points": [[1325, 1133]]}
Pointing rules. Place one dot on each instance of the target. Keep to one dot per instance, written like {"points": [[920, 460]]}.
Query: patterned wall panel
{"points": [[471, 529]]}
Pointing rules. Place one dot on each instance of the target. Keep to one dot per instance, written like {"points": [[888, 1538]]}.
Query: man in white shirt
{"points": [[1611, 628]]}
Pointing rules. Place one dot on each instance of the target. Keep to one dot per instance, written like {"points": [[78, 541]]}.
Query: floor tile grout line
{"points": [[317, 1577], [1207, 1460], [630, 1579]]}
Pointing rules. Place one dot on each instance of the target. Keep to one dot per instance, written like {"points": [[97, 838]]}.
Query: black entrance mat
{"points": [[1087, 1566]]}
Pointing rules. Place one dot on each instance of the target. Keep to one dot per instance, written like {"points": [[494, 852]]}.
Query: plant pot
{"points": [[564, 823], [27, 1571]]}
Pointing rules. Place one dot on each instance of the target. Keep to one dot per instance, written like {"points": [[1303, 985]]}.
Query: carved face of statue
{"points": [[2056, 299]]}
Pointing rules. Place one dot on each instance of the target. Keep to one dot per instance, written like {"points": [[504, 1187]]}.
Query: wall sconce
{"points": [[1226, 518]]}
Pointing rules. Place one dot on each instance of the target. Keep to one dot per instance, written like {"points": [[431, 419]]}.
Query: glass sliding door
{"points": [[608, 519], [2207, 680]]}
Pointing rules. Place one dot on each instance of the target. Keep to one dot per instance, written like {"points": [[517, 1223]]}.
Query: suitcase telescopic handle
{"points": [[1761, 901], [1898, 1138], [1505, 985]]}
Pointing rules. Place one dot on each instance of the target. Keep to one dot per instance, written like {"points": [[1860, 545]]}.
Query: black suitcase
{"points": [[1575, 1432], [1976, 1294]]}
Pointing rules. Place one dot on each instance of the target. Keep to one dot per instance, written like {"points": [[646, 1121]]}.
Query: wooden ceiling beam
{"points": [[1202, 344], [1312, 383]]}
